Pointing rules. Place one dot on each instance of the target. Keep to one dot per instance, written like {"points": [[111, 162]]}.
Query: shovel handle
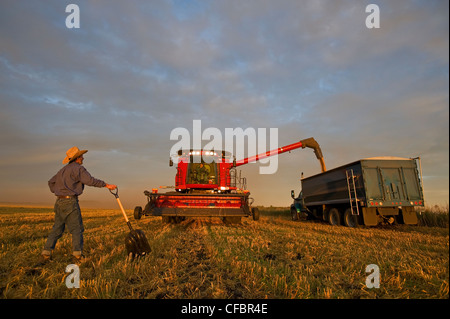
{"points": [[116, 194], [123, 210]]}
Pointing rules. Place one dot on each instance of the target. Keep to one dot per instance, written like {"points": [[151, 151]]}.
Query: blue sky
{"points": [[136, 70]]}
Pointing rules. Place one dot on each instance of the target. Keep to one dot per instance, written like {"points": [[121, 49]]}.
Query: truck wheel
{"points": [[334, 217], [137, 212], [255, 213], [294, 214], [350, 220]]}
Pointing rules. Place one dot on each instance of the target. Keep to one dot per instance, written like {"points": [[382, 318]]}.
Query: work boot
{"points": [[78, 259], [46, 256]]}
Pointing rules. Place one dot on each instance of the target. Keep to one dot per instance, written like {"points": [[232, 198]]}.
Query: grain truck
{"points": [[365, 192]]}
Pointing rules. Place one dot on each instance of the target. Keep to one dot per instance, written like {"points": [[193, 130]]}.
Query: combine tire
{"points": [[173, 219], [166, 219], [350, 220], [137, 212], [334, 217], [230, 220], [255, 213]]}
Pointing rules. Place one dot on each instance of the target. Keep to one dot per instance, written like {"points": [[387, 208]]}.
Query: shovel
{"points": [[136, 243]]}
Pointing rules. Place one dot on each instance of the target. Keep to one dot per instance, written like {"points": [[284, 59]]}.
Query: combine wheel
{"points": [[255, 213], [166, 219], [173, 219], [178, 219], [334, 217], [232, 220], [137, 212], [350, 220]]}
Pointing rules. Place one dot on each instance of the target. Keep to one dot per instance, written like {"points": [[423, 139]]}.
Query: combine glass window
{"points": [[202, 173]]}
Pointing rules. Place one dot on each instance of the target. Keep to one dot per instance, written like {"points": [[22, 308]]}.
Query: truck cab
{"points": [[298, 209]]}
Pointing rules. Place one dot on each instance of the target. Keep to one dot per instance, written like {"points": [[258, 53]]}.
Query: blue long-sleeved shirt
{"points": [[70, 180]]}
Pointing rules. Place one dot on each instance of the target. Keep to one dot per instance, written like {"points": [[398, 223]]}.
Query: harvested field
{"points": [[204, 258]]}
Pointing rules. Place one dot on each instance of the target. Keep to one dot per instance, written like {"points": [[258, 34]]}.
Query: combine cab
{"points": [[207, 185]]}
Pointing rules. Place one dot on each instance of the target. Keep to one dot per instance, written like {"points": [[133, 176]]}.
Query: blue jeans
{"points": [[67, 212]]}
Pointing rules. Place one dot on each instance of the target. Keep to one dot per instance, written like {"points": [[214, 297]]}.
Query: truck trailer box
{"points": [[383, 186]]}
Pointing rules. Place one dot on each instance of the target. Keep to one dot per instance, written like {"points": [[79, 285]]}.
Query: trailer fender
{"points": [[409, 215], [370, 216]]}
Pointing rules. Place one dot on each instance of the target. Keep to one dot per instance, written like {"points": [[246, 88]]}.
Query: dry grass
{"points": [[203, 258], [434, 216]]}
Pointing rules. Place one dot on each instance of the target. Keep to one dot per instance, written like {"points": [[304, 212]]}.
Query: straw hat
{"points": [[73, 153]]}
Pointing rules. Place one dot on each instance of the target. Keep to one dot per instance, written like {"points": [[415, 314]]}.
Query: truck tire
{"points": [[294, 214], [255, 213], [350, 220], [334, 217], [137, 212]]}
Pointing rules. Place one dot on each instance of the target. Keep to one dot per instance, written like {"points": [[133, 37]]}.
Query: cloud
{"points": [[134, 71]]}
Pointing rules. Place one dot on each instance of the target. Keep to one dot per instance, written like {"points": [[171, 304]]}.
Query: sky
{"points": [[136, 70]]}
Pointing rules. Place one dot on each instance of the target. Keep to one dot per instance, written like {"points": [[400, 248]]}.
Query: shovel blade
{"points": [[136, 243]]}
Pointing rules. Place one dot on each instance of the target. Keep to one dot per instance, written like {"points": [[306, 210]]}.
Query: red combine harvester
{"points": [[207, 185]]}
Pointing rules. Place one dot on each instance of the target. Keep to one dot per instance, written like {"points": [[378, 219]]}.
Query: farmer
{"points": [[67, 185], [202, 174]]}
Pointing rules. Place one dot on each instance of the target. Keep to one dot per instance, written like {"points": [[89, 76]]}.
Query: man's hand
{"points": [[111, 186]]}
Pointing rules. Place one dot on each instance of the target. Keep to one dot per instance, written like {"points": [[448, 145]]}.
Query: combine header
{"points": [[207, 185]]}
